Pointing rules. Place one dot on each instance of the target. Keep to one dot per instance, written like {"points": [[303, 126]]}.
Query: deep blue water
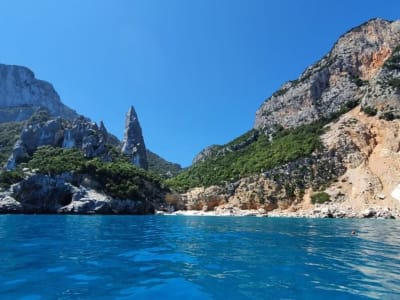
{"points": [[174, 257]]}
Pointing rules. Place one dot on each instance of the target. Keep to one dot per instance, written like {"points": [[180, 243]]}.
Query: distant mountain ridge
{"points": [[21, 95]]}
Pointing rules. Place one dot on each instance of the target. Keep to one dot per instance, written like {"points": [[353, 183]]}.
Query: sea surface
{"points": [[178, 257]]}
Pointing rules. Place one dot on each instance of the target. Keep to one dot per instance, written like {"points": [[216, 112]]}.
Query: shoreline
{"points": [[315, 213]]}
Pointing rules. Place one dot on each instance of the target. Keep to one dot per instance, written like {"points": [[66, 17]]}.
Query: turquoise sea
{"points": [[177, 257]]}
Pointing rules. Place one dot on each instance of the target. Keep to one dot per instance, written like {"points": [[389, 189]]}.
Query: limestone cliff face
{"points": [[70, 193], [336, 79], [359, 168], [382, 95], [21, 94], [42, 130], [372, 174], [359, 163], [133, 143]]}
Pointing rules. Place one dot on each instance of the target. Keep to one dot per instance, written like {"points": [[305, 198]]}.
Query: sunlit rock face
{"points": [[133, 143], [21, 95], [80, 133], [343, 75]]}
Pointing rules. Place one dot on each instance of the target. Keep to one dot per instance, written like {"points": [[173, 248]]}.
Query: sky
{"points": [[196, 71]]}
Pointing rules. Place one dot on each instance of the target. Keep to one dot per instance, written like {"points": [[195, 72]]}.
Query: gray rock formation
{"points": [[40, 193], [383, 93], [21, 94], [206, 153], [333, 81], [218, 150], [133, 144], [80, 133]]}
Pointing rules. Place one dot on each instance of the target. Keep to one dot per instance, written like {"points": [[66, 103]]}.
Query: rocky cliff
{"points": [[72, 193], [351, 98], [43, 130], [358, 168], [340, 76], [21, 95], [133, 143], [60, 162]]}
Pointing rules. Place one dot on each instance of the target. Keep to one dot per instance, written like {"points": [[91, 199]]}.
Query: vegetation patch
{"points": [[119, 178], [388, 116], [259, 156], [320, 197], [370, 111], [9, 134], [394, 82], [162, 167], [359, 82], [393, 62], [8, 178]]}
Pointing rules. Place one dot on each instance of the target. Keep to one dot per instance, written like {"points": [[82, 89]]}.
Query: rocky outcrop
{"points": [[42, 131], [339, 77], [218, 150], [206, 153], [133, 144], [383, 93], [21, 94], [68, 194], [358, 168]]}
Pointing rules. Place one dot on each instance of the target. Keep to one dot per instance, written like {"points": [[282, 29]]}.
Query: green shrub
{"points": [[280, 92], [359, 82], [349, 105], [9, 133], [7, 178], [394, 82], [40, 117], [53, 161], [259, 156], [393, 62], [118, 179], [370, 111], [320, 197], [162, 167], [388, 116]]}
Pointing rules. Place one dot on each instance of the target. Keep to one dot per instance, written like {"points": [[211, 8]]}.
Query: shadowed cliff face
{"points": [[341, 76], [21, 94]]}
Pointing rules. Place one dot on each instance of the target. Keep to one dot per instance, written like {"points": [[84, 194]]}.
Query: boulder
{"points": [[9, 205], [369, 213]]}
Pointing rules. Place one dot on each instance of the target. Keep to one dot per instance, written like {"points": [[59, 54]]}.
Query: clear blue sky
{"points": [[195, 70]]}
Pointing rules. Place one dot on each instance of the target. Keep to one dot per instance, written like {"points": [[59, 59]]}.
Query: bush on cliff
{"points": [[8, 178], [320, 197], [259, 156], [9, 133], [119, 178]]}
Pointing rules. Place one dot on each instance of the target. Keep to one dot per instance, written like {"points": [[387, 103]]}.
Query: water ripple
{"points": [[153, 257]]}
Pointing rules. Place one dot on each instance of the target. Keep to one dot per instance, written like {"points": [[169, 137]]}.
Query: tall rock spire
{"points": [[133, 143]]}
